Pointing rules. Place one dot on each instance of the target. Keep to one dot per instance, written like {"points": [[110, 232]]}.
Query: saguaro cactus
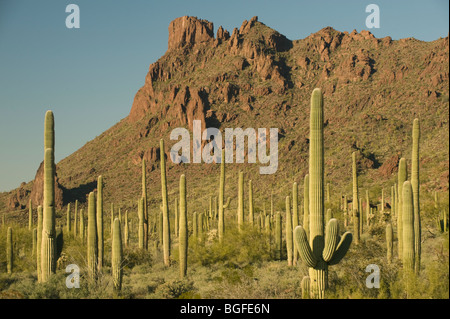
{"points": [[48, 230], [289, 240], [415, 190], [30, 215], [295, 216], [166, 225], [75, 218], [389, 242], [126, 230], [408, 227], [222, 206], [141, 227], [9, 251], [68, 219], [39, 243], [175, 209], [92, 239], [81, 225], [240, 211], [144, 195], [117, 255], [305, 287], [100, 222], [402, 177], [355, 202], [324, 248], [251, 209], [194, 225], [33, 249], [183, 245]]}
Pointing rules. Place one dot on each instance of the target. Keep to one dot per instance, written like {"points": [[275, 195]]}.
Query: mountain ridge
{"points": [[372, 87]]}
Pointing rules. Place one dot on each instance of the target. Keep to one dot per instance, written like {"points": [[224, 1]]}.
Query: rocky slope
{"points": [[256, 77]]}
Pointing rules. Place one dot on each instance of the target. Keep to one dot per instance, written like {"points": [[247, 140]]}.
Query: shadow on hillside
{"points": [[79, 193]]}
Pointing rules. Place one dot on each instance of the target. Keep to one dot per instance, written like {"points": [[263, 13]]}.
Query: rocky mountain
{"points": [[257, 78]]}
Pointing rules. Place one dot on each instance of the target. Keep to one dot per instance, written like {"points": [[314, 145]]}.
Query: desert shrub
{"points": [[176, 289]]}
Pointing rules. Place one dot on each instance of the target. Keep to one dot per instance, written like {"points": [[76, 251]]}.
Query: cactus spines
{"points": [[144, 195], [389, 242], [99, 222], [9, 251], [415, 189], [355, 202], [402, 177], [30, 215], [324, 248], [117, 256], [289, 240], [141, 223], [306, 204], [408, 226], [183, 234], [39, 243], [305, 287], [240, 211], [222, 206], [294, 216], [251, 209], [278, 236], [166, 225], [92, 242]]}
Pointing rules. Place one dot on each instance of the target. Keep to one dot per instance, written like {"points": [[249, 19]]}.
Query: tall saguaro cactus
{"points": [[92, 239], [289, 242], [117, 255], [68, 219], [48, 251], [355, 202], [144, 195], [402, 177], [222, 206], [40, 218], [325, 247], [166, 225], [415, 190], [75, 218], [141, 227], [251, 208], [30, 215], [9, 251], [183, 229], [100, 222], [294, 216], [389, 242], [408, 227]]}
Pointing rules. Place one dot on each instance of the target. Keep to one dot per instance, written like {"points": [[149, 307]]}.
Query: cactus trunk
{"points": [[289, 240], [355, 202], [240, 211], [100, 222], [92, 239], [166, 225], [408, 227], [183, 234], [9, 251], [402, 177], [117, 256], [415, 189]]}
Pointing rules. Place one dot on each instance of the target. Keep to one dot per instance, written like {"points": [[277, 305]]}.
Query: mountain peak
{"points": [[189, 30]]}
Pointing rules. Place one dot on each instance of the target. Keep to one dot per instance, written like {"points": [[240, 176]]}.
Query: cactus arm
{"points": [[341, 249], [302, 245], [227, 204], [331, 239]]}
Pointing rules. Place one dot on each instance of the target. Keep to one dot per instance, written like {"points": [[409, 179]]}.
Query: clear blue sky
{"points": [[89, 76]]}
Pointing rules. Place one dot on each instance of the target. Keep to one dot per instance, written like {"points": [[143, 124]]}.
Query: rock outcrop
{"points": [[189, 30], [37, 192]]}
